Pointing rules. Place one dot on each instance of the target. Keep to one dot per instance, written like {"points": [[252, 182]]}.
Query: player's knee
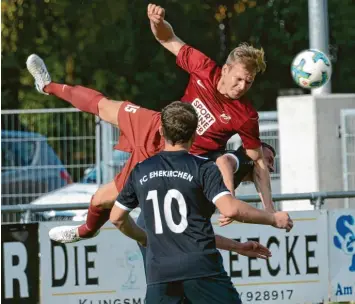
{"points": [[222, 160], [108, 110], [226, 160], [101, 201], [105, 196]]}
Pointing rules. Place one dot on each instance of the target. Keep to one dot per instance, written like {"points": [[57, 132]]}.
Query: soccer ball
{"points": [[311, 69]]}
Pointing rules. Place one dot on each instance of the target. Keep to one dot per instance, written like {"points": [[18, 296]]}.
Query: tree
{"points": [[107, 44]]}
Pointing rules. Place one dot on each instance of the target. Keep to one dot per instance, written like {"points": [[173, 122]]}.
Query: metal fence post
{"points": [[319, 33], [98, 149], [318, 200]]}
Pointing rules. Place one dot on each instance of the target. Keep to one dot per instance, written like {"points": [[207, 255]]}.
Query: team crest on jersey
{"points": [[225, 118], [205, 117]]}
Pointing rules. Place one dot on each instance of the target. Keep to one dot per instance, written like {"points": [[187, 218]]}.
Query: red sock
{"points": [[96, 218], [82, 98]]}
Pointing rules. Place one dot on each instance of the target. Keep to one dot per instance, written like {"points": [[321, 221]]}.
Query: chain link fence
{"points": [[43, 150]]}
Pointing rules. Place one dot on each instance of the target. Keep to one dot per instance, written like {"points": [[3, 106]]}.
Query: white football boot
{"points": [[67, 234], [37, 68]]}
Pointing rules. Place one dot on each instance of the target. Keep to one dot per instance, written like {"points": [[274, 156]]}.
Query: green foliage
{"points": [[107, 45]]}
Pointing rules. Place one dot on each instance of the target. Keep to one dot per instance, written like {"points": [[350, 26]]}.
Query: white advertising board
{"points": [[342, 254], [109, 267], [297, 272], [105, 269]]}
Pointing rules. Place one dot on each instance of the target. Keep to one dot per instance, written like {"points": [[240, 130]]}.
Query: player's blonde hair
{"points": [[252, 58]]}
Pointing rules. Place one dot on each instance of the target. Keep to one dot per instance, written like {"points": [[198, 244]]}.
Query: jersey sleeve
{"points": [[192, 60], [212, 181], [249, 132], [127, 199]]}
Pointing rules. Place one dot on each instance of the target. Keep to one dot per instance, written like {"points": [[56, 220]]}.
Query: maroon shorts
{"points": [[139, 135]]}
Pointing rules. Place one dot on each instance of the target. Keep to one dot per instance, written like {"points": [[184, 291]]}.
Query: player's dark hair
{"points": [[179, 122], [264, 144]]}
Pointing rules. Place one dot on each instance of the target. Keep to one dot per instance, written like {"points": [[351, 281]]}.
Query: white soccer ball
{"points": [[311, 69]]}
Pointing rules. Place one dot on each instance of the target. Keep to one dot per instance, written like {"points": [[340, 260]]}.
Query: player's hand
{"points": [[223, 220], [254, 250], [156, 13], [283, 221]]}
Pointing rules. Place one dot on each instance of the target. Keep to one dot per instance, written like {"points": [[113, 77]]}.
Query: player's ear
{"points": [[225, 69], [161, 131]]}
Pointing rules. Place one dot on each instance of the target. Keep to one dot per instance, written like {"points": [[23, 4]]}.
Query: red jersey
{"points": [[219, 117]]}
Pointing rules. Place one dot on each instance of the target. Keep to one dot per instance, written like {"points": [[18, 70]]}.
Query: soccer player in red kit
{"points": [[216, 94]]}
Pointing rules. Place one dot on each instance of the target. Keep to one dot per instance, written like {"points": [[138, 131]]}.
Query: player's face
{"points": [[269, 159], [237, 80]]}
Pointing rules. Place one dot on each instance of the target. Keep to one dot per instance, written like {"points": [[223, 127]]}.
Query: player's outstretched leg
{"points": [[98, 214], [82, 98], [86, 100]]}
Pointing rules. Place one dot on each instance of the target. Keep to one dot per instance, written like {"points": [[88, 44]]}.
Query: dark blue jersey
{"points": [[176, 192]]}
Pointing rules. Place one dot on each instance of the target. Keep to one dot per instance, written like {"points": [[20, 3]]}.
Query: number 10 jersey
{"points": [[176, 192]]}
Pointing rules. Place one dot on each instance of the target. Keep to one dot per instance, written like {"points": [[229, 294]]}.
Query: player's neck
{"points": [[179, 147]]}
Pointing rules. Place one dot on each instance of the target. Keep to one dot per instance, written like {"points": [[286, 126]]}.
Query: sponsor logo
{"points": [[205, 117], [225, 118], [345, 239], [199, 82]]}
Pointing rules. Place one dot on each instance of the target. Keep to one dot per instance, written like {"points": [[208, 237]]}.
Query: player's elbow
{"points": [[230, 212], [228, 206], [226, 161]]}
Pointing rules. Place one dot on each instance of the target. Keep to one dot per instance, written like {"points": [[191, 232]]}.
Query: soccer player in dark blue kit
{"points": [[178, 194], [243, 167]]}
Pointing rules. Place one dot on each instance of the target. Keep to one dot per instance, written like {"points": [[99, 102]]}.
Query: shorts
{"points": [[139, 135], [217, 289]]}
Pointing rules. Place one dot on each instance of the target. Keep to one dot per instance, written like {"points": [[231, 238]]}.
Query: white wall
{"points": [[310, 148]]}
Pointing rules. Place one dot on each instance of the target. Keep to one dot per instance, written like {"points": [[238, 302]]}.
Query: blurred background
{"points": [[108, 45]]}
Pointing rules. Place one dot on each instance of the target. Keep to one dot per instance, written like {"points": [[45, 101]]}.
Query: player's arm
{"points": [[261, 178], [249, 133], [121, 219], [162, 30], [187, 57], [243, 212], [216, 191], [249, 249]]}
